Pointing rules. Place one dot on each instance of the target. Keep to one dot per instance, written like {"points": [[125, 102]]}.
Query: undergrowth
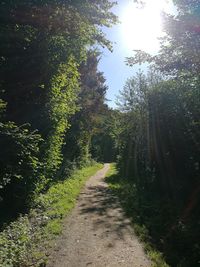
{"points": [[126, 192], [26, 241]]}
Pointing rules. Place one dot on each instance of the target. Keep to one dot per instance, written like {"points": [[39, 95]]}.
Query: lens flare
{"points": [[141, 27]]}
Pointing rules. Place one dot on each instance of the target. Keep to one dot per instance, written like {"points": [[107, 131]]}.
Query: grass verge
{"points": [[26, 241], [126, 191]]}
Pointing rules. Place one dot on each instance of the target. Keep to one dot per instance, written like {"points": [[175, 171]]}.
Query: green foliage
{"points": [[62, 104], [159, 154], [2, 106], [173, 134], [26, 241], [46, 76], [127, 193], [43, 44], [25, 144], [20, 165], [19, 244], [86, 122], [103, 147]]}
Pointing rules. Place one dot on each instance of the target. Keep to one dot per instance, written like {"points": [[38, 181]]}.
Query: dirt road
{"points": [[97, 233]]}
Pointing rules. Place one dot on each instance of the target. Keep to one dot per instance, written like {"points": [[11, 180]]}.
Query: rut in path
{"points": [[97, 233]]}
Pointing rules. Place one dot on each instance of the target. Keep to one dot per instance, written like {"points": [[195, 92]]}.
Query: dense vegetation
{"points": [[28, 240], [126, 192], [158, 137], [53, 119], [49, 82]]}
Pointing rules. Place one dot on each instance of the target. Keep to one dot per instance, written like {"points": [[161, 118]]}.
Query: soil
{"points": [[97, 233]]}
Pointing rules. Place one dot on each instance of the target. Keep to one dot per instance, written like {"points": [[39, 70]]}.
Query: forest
{"points": [[55, 119]]}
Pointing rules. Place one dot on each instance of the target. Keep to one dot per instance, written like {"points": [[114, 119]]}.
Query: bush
{"points": [[26, 241]]}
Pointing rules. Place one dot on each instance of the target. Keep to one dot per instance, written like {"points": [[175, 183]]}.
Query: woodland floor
{"points": [[97, 232]]}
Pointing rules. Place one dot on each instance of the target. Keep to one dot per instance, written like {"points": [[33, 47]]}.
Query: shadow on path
{"points": [[103, 208]]}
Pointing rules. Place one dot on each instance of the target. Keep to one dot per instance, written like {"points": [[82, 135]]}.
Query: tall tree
{"points": [[42, 46], [91, 104]]}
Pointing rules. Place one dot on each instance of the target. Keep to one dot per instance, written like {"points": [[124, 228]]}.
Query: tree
{"points": [[43, 44], [159, 153], [103, 146], [91, 105], [180, 50]]}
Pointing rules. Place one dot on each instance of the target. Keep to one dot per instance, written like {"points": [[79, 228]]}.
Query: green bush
{"points": [[25, 242], [127, 193]]}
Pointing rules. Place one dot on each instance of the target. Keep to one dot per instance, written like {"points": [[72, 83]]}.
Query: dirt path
{"points": [[97, 233]]}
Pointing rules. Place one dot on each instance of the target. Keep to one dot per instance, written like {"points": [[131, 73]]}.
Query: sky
{"points": [[138, 29]]}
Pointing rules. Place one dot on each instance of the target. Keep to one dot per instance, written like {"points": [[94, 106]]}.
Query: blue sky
{"points": [[113, 64], [114, 68]]}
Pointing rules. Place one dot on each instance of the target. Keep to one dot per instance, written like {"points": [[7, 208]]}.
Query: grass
{"points": [[26, 241], [126, 191]]}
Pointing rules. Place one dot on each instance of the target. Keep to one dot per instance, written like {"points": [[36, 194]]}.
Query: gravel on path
{"points": [[97, 233]]}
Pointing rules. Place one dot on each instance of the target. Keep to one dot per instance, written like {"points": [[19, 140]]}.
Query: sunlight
{"points": [[141, 27]]}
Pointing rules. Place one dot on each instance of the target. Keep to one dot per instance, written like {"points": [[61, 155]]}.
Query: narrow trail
{"points": [[97, 233]]}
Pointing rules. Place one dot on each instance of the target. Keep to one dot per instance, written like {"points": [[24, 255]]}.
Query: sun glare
{"points": [[141, 27]]}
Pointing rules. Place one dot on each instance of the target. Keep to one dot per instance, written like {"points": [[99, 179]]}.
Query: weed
{"points": [[25, 242], [127, 194]]}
